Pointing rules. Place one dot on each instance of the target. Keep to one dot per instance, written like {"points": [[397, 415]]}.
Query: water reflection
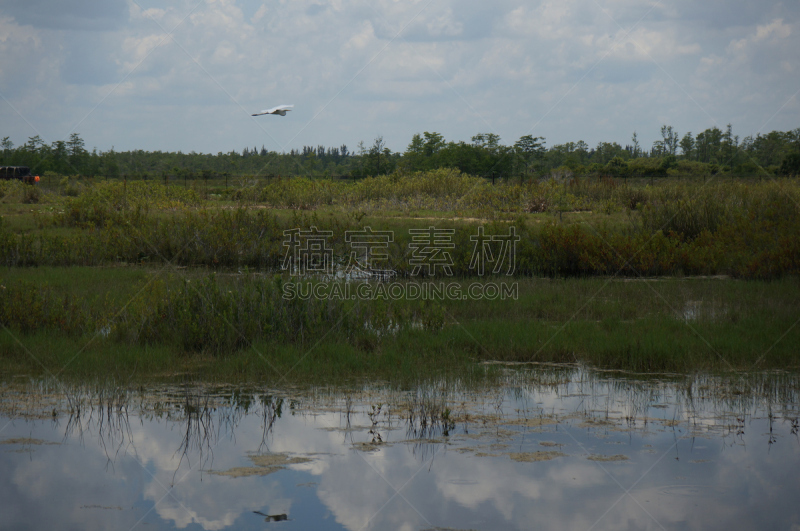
{"points": [[546, 447]]}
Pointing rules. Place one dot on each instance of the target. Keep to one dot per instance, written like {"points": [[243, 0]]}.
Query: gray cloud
{"points": [[68, 14], [88, 61], [571, 70]]}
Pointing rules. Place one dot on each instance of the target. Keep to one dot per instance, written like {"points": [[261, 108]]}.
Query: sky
{"points": [[186, 75]]}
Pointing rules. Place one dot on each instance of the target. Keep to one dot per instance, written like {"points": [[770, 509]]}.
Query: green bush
{"points": [[123, 203]]}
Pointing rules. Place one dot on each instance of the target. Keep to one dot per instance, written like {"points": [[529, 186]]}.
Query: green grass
{"points": [[657, 325], [118, 247]]}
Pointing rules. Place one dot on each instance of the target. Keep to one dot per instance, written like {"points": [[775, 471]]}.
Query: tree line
{"points": [[710, 151]]}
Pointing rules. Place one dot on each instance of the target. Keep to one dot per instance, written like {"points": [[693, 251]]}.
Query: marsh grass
{"points": [[101, 265], [239, 325], [597, 226]]}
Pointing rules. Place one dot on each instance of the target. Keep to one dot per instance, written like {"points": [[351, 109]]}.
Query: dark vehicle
{"points": [[20, 173]]}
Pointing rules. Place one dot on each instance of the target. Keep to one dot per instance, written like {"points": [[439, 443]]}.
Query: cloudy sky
{"points": [[186, 74]]}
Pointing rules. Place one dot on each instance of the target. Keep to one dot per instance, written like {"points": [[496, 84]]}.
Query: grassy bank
{"points": [[147, 279], [134, 321], [569, 228]]}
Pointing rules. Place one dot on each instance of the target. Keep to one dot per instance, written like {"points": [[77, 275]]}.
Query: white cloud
{"points": [[594, 71], [774, 30]]}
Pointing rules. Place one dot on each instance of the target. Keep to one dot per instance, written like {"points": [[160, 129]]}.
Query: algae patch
{"points": [[530, 457], [607, 458], [263, 464], [26, 441], [369, 446]]}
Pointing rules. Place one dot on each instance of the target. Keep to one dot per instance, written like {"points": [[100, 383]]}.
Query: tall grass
{"points": [[210, 314], [243, 321], [745, 229]]}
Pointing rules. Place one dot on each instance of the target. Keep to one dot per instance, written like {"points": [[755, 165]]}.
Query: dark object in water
{"points": [[273, 517]]}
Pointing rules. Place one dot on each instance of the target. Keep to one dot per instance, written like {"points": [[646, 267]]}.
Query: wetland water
{"points": [[545, 447]]}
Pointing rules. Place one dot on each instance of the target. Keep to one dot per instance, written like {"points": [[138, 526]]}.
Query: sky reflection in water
{"points": [[552, 448]]}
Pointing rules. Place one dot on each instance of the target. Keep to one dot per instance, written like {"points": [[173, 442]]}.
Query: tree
{"points": [[33, 144], [571, 154], [78, 157], [7, 146], [433, 143], [669, 140], [617, 167], [530, 149], [791, 164], [109, 166], [606, 151], [687, 146], [60, 163], [75, 145], [707, 144], [377, 158], [730, 145], [488, 141], [636, 149]]}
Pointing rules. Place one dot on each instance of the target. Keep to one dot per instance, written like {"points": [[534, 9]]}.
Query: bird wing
{"points": [[280, 109]]}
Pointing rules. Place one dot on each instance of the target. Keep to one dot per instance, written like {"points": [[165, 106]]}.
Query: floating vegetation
{"points": [[607, 458], [26, 441], [263, 464], [530, 457]]}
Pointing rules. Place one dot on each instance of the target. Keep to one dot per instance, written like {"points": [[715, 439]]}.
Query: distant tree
{"points": [[530, 151], [617, 167], [432, 144], [488, 141], [78, 156], [416, 146], [59, 162], [570, 154], [109, 166], [708, 144], [669, 140], [637, 151], [791, 164], [33, 144], [687, 146], [730, 146], [606, 151], [7, 146], [377, 158]]}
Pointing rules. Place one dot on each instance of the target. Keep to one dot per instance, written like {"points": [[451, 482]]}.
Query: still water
{"points": [[544, 447]]}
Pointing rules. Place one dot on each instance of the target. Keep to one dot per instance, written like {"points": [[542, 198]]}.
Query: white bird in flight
{"points": [[280, 109]]}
